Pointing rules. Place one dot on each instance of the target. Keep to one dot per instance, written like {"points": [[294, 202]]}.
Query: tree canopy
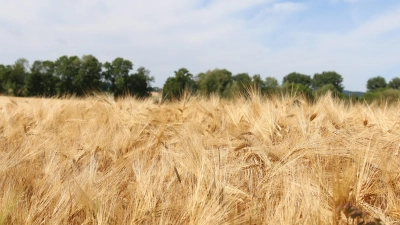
{"points": [[241, 82], [328, 77], [12, 77], [41, 82], [80, 76], [175, 86], [5, 73], [115, 73], [294, 89], [325, 89], [217, 81], [138, 84], [74, 75], [271, 82], [394, 83], [88, 77], [297, 78], [66, 68], [376, 83]]}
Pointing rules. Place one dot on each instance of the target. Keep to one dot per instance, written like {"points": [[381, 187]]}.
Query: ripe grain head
{"points": [[197, 161]]}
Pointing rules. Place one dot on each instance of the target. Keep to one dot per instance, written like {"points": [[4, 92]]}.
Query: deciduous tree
{"points": [[241, 83], [257, 82], [271, 85], [328, 77], [41, 81], [14, 77], [294, 89], [376, 83], [325, 89], [89, 76], [217, 81], [66, 69], [5, 71], [138, 84], [394, 83], [175, 86], [116, 72], [297, 78]]}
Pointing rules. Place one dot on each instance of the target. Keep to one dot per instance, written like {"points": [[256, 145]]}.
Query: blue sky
{"points": [[359, 39]]}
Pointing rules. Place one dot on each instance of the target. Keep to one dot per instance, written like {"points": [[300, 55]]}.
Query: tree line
{"points": [[223, 83], [72, 75]]}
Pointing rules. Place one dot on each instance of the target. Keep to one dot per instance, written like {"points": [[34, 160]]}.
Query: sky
{"points": [[359, 39]]}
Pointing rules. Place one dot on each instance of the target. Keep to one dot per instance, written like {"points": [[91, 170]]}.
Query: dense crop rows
{"points": [[197, 161]]}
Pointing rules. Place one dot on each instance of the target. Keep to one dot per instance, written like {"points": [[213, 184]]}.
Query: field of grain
{"points": [[197, 161]]}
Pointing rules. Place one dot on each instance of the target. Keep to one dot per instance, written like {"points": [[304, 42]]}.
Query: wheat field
{"points": [[276, 160]]}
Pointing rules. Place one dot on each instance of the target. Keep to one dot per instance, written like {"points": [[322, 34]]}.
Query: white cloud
{"points": [[288, 7], [387, 22]]}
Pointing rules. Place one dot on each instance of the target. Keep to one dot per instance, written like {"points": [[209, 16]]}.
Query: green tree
{"points": [[382, 95], [242, 78], [34, 82], [271, 85], [257, 82], [241, 82], [376, 83], [391, 95], [138, 84], [325, 89], [174, 87], [5, 72], [271, 82], [394, 83], [13, 77], [89, 76], [66, 69], [115, 74], [41, 81], [217, 81], [328, 77], [294, 89], [372, 96], [297, 78]]}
